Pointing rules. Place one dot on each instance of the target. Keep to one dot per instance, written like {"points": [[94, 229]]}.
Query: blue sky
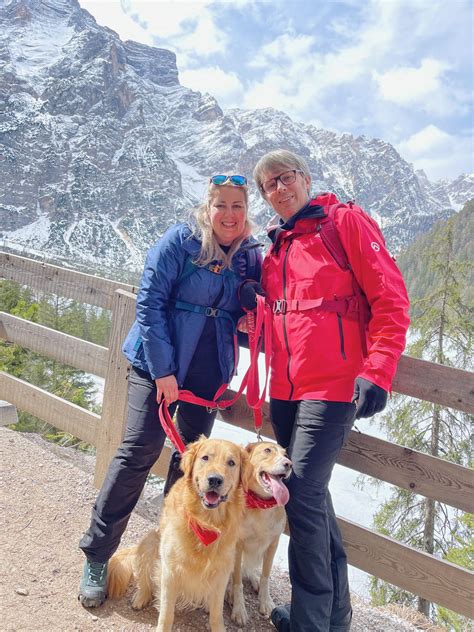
{"points": [[393, 69]]}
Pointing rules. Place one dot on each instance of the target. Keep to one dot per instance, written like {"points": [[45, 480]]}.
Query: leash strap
{"points": [[263, 321], [249, 381]]}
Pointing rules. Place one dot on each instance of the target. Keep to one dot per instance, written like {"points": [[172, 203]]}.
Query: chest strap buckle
{"points": [[213, 312], [279, 306]]}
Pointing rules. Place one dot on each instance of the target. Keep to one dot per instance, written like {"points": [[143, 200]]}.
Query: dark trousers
{"points": [[141, 447], [313, 432]]}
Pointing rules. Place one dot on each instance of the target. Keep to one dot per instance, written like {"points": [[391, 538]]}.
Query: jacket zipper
{"points": [[341, 336], [292, 386]]}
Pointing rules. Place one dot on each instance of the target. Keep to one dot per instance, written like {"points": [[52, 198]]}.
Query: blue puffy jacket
{"points": [[163, 338]]}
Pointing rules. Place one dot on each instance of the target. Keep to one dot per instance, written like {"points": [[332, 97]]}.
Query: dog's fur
{"points": [[171, 560], [261, 530]]}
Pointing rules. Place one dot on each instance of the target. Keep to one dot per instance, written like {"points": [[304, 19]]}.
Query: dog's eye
{"points": [[205, 458], [231, 462], [268, 450]]}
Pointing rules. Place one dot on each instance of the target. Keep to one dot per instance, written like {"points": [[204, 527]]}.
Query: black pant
{"points": [[313, 432], [141, 447]]}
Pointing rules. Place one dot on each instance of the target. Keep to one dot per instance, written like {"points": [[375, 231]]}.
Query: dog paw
{"points": [[239, 615], [266, 606], [140, 601]]}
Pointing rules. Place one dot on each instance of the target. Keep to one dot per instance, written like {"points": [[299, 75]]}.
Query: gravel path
{"points": [[46, 507]]}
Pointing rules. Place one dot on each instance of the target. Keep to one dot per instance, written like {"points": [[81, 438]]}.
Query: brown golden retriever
{"points": [[264, 521], [189, 558]]}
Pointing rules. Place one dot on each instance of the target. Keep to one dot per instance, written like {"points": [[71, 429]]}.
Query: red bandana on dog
{"points": [[207, 536], [253, 501]]}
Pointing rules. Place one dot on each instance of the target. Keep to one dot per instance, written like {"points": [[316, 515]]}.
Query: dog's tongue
{"points": [[279, 489]]}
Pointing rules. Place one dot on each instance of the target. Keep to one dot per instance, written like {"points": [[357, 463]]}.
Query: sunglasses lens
{"points": [[218, 179], [240, 181]]}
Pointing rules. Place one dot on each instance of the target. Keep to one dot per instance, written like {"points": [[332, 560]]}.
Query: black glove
{"points": [[248, 294], [368, 397]]}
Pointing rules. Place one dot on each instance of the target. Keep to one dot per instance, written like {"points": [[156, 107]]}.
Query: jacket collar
{"points": [[312, 209]]}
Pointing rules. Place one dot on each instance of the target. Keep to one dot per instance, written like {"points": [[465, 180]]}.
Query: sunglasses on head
{"points": [[238, 181]]}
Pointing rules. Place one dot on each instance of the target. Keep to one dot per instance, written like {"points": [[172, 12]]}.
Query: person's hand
{"points": [[166, 387], [248, 294], [242, 325], [368, 397]]}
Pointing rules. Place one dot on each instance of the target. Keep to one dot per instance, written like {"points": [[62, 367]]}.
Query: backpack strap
{"points": [[330, 237]]}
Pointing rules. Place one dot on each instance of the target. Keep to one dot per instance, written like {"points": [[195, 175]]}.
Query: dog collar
{"points": [[207, 536], [253, 501]]}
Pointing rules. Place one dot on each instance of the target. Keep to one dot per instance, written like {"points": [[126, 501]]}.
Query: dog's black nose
{"points": [[214, 480], [287, 464]]}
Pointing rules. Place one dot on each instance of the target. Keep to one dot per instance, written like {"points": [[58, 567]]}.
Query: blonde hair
{"points": [[279, 159], [202, 230]]}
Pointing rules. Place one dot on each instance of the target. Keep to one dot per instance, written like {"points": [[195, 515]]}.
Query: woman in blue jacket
{"points": [[183, 338]]}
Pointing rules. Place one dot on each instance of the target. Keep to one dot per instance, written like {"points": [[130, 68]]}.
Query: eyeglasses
{"points": [[238, 181], [287, 177]]}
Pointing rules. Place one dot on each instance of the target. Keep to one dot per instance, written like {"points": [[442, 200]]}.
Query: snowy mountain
{"points": [[449, 193], [102, 148]]}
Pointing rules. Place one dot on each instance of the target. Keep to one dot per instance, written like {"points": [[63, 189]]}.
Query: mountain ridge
{"points": [[103, 149]]}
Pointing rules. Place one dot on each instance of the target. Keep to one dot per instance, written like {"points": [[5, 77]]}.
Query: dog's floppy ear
{"points": [[189, 456], [246, 469]]}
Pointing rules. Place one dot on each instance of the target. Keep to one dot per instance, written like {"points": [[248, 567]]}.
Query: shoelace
{"points": [[96, 572]]}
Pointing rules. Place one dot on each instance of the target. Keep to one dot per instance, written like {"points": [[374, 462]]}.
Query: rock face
{"points": [[102, 149]]}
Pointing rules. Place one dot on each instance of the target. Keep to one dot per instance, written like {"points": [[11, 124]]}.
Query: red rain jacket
{"points": [[317, 354]]}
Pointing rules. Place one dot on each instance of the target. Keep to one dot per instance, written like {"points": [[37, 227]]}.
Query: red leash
{"points": [[263, 321], [250, 379]]}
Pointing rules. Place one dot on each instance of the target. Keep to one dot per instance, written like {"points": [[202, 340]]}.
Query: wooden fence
{"points": [[418, 572]]}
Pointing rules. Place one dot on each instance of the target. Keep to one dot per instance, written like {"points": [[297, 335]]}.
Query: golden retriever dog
{"points": [[264, 521], [188, 560]]}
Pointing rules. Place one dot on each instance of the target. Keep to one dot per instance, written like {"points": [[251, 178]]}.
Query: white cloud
{"points": [[205, 39], [110, 13], [297, 69], [287, 46], [187, 28], [439, 154], [166, 18], [225, 87], [408, 86]]}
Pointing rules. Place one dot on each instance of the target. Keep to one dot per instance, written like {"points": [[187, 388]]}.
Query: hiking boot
{"points": [[93, 587], [280, 618]]}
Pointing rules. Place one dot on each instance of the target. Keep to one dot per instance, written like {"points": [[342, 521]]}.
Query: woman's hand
{"points": [[242, 325], [248, 294], [166, 387]]}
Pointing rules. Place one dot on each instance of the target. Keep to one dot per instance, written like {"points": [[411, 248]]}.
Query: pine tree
{"points": [[64, 381], [442, 327]]}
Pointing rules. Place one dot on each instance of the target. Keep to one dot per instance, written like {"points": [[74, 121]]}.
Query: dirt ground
{"points": [[45, 507]]}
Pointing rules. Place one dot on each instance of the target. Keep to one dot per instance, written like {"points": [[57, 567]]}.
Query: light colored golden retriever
{"points": [[189, 558], [264, 521]]}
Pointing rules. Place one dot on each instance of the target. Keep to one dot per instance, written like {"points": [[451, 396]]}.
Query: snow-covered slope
{"points": [[102, 148]]}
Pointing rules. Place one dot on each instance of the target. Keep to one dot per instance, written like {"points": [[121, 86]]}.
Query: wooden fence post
{"points": [[114, 406]]}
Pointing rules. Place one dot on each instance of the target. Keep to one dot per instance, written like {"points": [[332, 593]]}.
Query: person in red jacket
{"points": [[323, 375]]}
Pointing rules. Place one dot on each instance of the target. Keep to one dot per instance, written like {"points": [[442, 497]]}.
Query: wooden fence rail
{"points": [[420, 573]]}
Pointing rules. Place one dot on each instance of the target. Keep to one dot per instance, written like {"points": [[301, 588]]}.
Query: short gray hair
{"points": [[279, 159], [202, 230]]}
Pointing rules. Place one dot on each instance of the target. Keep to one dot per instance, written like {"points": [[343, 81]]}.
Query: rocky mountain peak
{"points": [[102, 148]]}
